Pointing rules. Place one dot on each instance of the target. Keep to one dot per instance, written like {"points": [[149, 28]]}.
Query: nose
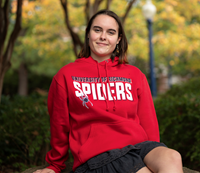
{"points": [[103, 36]]}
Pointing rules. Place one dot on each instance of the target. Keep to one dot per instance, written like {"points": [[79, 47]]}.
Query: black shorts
{"points": [[126, 160]]}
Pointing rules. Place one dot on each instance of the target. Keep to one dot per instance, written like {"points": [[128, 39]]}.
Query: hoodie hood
{"points": [[103, 63]]}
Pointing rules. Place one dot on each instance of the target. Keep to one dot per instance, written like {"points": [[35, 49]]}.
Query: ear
{"points": [[118, 40]]}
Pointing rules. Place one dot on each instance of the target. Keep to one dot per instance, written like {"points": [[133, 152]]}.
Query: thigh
{"points": [[144, 170], [147, 146], [154, 158]]}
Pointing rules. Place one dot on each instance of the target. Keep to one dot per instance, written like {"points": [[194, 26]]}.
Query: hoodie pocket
{"points": [[104, 137]]}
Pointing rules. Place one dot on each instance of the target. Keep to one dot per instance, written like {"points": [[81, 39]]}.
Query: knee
{"points": [[163, 159], [173, 157]]}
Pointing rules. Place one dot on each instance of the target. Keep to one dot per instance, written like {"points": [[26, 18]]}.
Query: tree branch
{"points": [[75, 38], [127, 10]]}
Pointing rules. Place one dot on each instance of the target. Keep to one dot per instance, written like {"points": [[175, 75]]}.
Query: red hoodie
{"points": [[84, 116]]}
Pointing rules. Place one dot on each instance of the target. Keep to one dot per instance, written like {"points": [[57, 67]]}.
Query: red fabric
{"points": [[85, 118]]}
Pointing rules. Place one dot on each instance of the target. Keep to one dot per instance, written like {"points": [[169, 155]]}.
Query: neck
{"points": [[100, 58]]}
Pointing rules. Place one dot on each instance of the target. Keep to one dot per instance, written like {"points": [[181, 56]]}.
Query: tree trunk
{"points": [[3, 69], [5, 56], [23, 80], [108, 4], [2, 74]]}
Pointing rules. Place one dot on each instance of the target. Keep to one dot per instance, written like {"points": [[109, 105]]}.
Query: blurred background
{"points": [[38, 37]]}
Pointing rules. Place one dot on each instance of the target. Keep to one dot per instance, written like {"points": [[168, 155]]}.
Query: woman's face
{"points": [[103, 37]]}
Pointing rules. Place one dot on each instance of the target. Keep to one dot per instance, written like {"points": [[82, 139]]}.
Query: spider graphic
{"points": [[84, 98]]}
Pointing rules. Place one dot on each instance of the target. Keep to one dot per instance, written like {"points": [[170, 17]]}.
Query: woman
{"points": [[101, 108]]}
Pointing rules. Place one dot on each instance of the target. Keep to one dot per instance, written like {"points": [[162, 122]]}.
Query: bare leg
{"points": [[164, 160], [144, 170]]}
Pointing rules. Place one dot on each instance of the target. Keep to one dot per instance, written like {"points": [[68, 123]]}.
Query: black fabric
{"points": [[126, 160]]}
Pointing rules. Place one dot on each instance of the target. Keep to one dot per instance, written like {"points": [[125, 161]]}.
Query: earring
{"points": [[117, 49]]}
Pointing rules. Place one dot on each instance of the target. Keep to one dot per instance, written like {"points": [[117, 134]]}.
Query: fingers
{"points": [[45, 170], [38, 171]]}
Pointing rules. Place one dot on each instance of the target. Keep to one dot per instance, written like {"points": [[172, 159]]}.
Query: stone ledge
{"points": [[70, 164]]}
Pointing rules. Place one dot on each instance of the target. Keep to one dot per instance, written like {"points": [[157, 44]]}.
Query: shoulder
{"points": [[67, 67], [61, 76], [134, 73], [65, 73], [71, 67], [133, 69]]}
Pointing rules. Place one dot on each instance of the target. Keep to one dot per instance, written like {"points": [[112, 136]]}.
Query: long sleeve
{"points": [[146, 112], [59, 124]]}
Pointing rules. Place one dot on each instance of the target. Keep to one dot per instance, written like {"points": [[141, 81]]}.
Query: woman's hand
{"points": [[45, 170]]}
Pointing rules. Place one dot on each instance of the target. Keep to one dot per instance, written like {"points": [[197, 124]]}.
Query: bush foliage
{"points": [[25, 135], [24, 131], [178, 113]]}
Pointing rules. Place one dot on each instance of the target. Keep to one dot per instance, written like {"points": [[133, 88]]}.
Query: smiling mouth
{"points": [[102, 44]]}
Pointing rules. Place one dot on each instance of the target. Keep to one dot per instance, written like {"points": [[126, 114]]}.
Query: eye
{"points": [[97, 30], [111, 32]]}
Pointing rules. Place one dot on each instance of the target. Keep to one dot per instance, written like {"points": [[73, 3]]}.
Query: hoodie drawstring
{"points": [[108, 82], [107, 107]]}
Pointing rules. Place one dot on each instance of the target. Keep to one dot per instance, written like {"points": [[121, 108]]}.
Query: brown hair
{"points": [[123, 44]]}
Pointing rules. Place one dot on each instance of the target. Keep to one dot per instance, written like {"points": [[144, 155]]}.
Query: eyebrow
{"points": [[101, 28]]}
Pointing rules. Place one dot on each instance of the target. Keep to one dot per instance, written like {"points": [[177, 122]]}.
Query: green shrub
{"points": [[178, 113], [24, 131], [11, 80]]}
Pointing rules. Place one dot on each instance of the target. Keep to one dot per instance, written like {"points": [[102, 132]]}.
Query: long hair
{"points": [[123, 44]]}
